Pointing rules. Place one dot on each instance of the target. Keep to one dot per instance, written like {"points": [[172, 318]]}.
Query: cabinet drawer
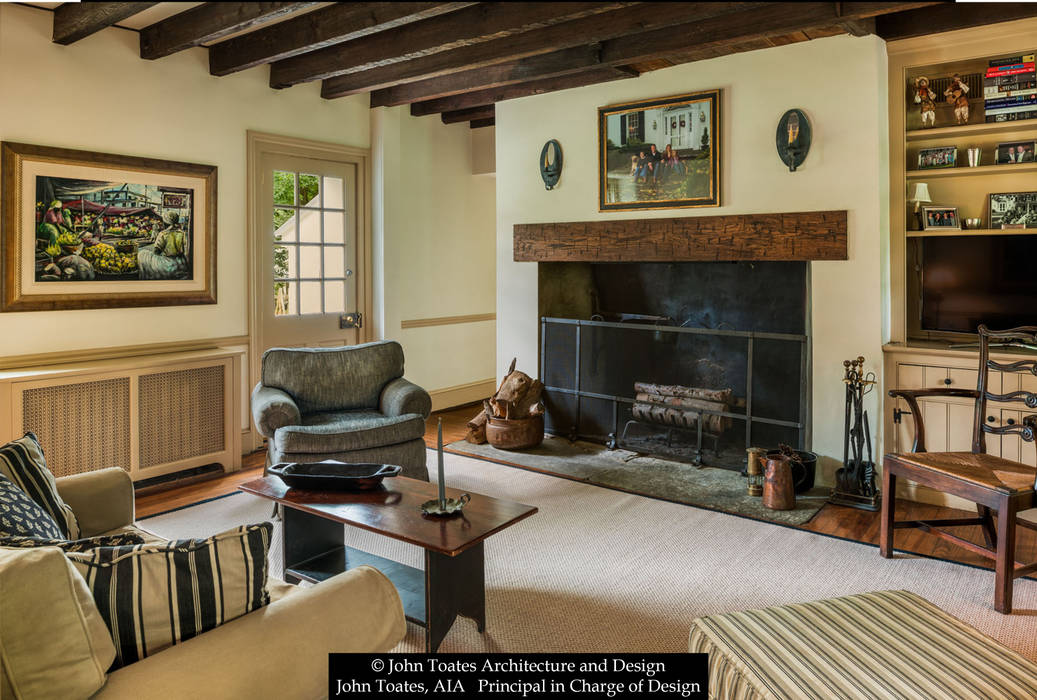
{"points": [[910, 376]]}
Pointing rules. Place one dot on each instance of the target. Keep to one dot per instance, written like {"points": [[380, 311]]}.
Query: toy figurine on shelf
{"points": [[927, 98], [957, 94]]}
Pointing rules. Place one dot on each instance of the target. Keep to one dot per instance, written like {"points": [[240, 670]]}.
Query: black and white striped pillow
{"points": [[152, 596], [22, 462], [82, 545]]}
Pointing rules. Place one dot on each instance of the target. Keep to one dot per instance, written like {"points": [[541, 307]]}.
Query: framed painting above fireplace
{"points": [[660, 153]]}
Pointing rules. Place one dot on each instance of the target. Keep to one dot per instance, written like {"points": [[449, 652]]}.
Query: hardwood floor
{"points": [[839, 521]]}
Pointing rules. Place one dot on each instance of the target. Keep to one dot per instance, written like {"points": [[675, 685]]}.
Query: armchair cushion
{"points": [[272, 409], [333, 379], [400, 396], [22, 462], [102, 500], [53, 642], [346, 431]]}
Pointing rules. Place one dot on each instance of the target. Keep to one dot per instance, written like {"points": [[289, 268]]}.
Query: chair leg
{"points": [[889, 508], [989, 532], [1005, 562]]}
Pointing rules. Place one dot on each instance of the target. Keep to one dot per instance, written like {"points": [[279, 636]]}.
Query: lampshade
{"points": [[920, 193]]}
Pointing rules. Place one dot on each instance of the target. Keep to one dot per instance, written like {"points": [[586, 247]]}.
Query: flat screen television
{"points": [[969, 280]]}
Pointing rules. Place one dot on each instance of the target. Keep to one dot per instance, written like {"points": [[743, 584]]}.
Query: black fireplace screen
{"points": [[590, 368]]}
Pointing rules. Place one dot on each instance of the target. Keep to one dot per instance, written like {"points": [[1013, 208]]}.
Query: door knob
{"points": [[1010, 421], [990, 419], [947, 381]]}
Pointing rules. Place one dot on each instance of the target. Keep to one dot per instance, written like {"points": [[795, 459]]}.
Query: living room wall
{"points": [[840, 83]]}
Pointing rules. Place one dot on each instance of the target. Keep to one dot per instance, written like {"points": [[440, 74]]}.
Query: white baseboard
{"points": [[451, 396]]}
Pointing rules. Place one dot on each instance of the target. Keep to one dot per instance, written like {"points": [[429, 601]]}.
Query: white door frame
{"points": [[259, 143]]}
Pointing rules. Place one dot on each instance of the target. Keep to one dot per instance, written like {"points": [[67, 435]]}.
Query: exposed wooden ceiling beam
{"points": [[548, 65], [587, 30], [319, 29], [467, 115], [466, 27], [77, 20], [482, 123], [948, 17], [534, 87], [209, 22]]}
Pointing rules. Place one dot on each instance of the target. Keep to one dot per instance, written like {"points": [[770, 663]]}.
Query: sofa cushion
{"points": [[53, 641], [22, 462], [81, 545], [334, 379], [153, 596], [345, 431], [22, 516]]}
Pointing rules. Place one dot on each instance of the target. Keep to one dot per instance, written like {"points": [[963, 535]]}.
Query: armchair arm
{"points": [[102, 500], [912, 395], [280, 651], [273, 409], [400, 396]]}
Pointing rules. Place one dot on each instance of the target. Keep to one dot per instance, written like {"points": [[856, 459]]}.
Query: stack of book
{"points": [[1010, 89]]}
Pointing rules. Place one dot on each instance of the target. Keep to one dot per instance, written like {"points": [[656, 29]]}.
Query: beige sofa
{"points": [[279, 651]]}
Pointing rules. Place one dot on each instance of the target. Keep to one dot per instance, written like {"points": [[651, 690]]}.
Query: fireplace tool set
{"points": [[855, 481]]}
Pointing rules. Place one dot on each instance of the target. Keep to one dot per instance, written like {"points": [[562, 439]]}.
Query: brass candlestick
{"points": [[754, 470]]}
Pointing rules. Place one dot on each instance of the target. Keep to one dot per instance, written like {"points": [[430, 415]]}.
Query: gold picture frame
{"points": [[88, 230], [662, 153]]}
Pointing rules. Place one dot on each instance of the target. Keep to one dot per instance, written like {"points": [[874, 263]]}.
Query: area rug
{"points": [[706, 487], [599, 570]]}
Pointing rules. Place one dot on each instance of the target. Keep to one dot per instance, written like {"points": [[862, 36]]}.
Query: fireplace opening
{"points": [[693, 361]]}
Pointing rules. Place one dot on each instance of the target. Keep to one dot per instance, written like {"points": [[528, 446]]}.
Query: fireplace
{"points": [[737, 328]]}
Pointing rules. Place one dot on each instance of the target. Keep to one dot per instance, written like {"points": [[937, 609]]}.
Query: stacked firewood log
{"points": [[682, 406], [517, 397]]}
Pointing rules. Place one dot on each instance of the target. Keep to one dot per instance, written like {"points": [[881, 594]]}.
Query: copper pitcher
{"points": [[778, 490]]}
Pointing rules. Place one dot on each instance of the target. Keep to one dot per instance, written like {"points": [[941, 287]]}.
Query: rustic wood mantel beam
{"points": [[77, 20], [318, 30], [209, 22], [815, 235], [577, 32], [472, 25]]}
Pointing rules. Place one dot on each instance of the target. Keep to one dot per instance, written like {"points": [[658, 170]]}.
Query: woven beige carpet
{"points": [[597, 570]]}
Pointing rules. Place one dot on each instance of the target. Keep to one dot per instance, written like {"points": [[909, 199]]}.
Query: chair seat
{"points": [[345, 431], [986, 471]]}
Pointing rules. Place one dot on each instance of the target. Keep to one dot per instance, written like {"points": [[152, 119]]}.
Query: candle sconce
{"points": [[793, 138]]}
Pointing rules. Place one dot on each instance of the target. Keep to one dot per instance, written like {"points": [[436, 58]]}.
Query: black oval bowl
{"points": [[333, 476]]}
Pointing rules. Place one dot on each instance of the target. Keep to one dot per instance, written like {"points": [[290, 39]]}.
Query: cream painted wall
{"points": [[97, 94], [434, 233], [840, 82]]}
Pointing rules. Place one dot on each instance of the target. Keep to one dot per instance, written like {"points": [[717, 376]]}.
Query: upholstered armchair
{"points": [[350, 404]]}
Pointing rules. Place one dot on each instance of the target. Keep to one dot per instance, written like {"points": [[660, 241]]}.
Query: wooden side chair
{"points": [[994, 484]]}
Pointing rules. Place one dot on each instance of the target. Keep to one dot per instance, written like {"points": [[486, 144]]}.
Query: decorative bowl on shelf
{"points": [[331, 475]]}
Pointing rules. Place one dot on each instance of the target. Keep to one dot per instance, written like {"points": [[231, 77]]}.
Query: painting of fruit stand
{"points": [[89, 230], [660, 153], [93, 230]]}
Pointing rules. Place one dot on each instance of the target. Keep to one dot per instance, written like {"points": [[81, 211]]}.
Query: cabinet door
{"points": [[934, 416], [959, 429], [904, 432], [1013, 447]]}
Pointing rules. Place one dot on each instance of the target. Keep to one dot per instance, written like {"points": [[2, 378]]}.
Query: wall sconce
{"points": [[793, 138], [551, 163]]}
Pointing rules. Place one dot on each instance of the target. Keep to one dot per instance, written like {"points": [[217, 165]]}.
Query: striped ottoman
{"points": [[888, 644]]}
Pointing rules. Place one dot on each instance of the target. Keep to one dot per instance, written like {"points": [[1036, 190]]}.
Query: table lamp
{"points": [[920, 196]]}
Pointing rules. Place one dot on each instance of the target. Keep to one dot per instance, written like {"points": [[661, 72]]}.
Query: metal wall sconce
{"points": [[551, 163], [793, 138]]}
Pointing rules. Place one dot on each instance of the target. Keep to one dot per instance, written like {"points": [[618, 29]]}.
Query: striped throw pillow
{"points": [[153, 596], [20, 516], [22, 462], [83, 545]]}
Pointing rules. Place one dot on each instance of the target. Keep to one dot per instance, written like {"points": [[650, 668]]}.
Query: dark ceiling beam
{"points": [[858, 27], [77, 20], [480, 98], [587, 30], [209, 22], [467, 115], [318, 30], [945, 18], [549, 65], [481, 123], [472, 25]]}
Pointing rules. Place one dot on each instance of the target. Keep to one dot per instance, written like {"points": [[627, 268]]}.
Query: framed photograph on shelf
{"points": [[1015, 152], [940, 219], [1013, 210], [85, 230], [940, 157], [661, 153]]}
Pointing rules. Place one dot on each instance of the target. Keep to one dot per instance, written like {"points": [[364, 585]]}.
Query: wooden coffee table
{"points": [[453, 580]]}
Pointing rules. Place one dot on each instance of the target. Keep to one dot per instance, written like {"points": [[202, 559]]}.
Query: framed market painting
{"points": [[660, 154], [84, 230]]}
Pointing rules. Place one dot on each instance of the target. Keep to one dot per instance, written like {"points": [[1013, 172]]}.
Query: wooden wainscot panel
{"points": [[815, 235]]}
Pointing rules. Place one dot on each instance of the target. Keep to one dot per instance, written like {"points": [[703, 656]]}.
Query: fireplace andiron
{"points": [[855, 481]]}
